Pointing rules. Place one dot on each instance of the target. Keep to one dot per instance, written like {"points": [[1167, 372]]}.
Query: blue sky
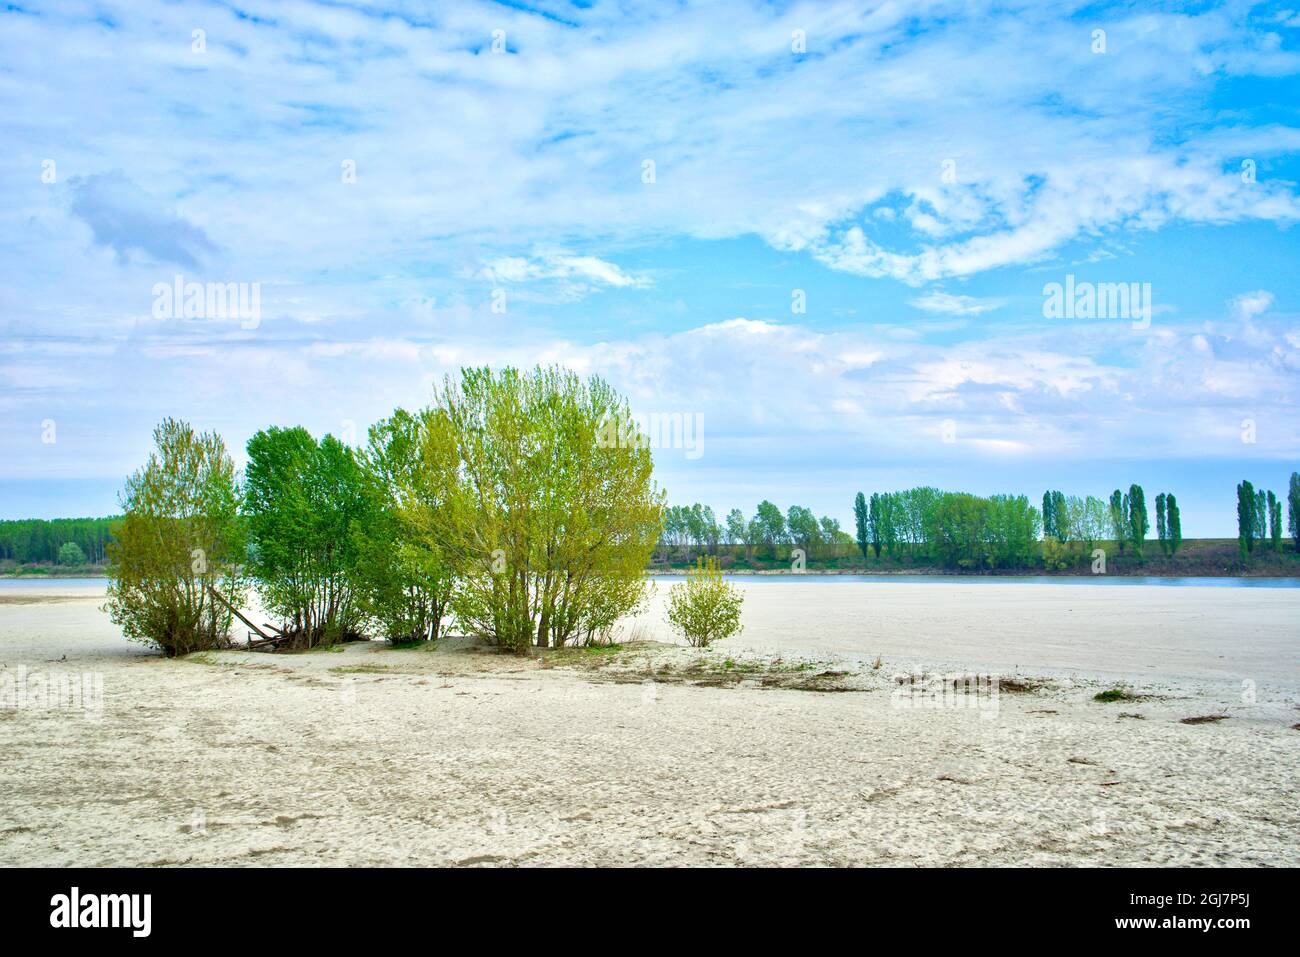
{"points": [[917, 173]]}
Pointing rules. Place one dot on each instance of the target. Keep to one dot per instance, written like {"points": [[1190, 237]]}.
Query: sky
{"points": [[829, 234]]}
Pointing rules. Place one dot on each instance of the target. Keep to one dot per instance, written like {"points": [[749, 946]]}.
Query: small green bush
{"points": [[705, 608]]}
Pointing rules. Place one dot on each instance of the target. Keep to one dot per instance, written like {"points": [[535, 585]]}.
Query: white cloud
{"points": [[954, 305]]}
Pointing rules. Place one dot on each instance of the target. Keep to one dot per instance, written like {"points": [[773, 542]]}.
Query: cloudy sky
{"points": [[826, 228]]}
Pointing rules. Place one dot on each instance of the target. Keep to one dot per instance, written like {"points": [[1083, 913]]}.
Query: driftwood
{"points": [[265, 639]]}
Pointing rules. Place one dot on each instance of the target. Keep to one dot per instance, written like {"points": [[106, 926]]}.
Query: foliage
{"points": [[34, 540], [302, 499], [70, 553], [860, 515], [179, 536], [705, 608], [403, 583], [548, 508], [1245, 518], [1293, 509]]}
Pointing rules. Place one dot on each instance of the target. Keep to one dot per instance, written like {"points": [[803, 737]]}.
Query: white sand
{"points": [[463, 757]]}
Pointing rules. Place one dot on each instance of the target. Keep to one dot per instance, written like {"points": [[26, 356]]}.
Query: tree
{"points": [[302, 499], [803, 528], [70, 553], [1293, 509], [1275, 521], [860, 522], [769, 525], [736, 527], [551, 511], [1175, 524], [1049, 517], [179, 536], [1245, 518], [1162, 530], [705, 608], [1137, 517], [403, 582], [873, 523], [1261, 515], [1119, 518]]}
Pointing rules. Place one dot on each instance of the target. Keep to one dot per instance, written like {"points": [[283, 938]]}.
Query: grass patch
{"points": [[1116, 694], [1203, 719]]}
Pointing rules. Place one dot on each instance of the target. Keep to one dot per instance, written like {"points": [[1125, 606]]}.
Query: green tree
{"points": [[769, 525], [803, 528], [1049, 517], [1245, 518], [705, 608], [1162, 529], [551, 511], [861, 523], [736, 527], [403, 583], [1293, 509], [873, 523], [1137, 516], [70, 553], [302, 499], [1119, 522], [1175, 524], [179, 537], [1275, 521]]}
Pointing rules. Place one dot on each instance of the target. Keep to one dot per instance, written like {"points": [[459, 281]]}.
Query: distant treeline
{"points": [[34, 541]]}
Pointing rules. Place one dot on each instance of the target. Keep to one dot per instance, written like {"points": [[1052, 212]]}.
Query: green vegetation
{"points": [[35, 541], [1116, 694], [546, 507], [301, 501], [179, 537], [705, 608]]}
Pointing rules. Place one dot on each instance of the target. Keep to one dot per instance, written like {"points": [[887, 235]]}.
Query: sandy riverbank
{"points": [[796, 753]]}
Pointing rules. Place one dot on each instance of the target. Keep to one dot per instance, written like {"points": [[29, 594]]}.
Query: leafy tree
{"points": [[803, 528], [1162, 530], [70, 553], [1175, 524], [403, 582], [861, 523], [1138, 523], [873, 523], [1293, 509], [1275, 521], [736, 527], [1245, 518], [769, 525], [1119, 522], [179, 536], [302, 499], [1049, 519], [1261, 515], [705, 608], [548, 521]]}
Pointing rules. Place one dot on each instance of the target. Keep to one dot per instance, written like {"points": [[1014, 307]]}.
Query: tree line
{"points": [[696, 526], [960, 530], [38, 541], [1259, 516]]}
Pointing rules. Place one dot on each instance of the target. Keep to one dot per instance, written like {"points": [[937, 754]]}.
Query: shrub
{"points": [[179, 537], [705, 608], [70, 553]]}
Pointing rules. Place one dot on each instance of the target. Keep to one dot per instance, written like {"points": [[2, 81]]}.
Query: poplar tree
{"points": [[1137, 514], [1162, 530], [1175, 524], [1245, 518], [1293, 509], [861, 519]]}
